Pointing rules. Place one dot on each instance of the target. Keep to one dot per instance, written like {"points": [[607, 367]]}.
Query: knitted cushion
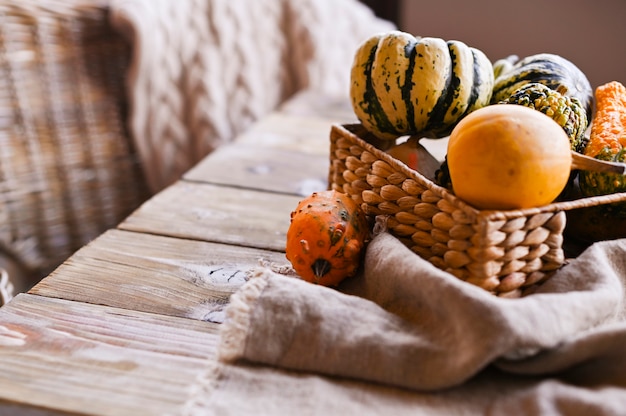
{"points": [[204, 70]]}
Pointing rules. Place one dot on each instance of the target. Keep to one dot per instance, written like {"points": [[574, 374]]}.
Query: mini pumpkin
{"points": [[326, 237]]}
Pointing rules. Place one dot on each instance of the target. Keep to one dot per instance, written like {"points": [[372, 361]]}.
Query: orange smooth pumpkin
{"points": [[508, 156]]}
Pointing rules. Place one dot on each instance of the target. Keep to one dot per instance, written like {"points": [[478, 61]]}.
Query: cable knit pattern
{"points": [[204, 70]]}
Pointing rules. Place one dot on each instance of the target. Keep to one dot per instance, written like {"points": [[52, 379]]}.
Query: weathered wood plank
{"points": [[282, 131], [127, 325], [302, 123], [263, 168], [218, 214], [290, 132], [316, 104], [75, 357], [157, 274], [288, 151]]}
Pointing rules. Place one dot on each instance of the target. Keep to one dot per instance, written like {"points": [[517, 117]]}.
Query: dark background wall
{"points": [[387, 9]]}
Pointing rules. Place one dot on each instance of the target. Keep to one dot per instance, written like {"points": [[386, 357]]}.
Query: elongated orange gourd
{"points": [[326, 237], [607, 140]]}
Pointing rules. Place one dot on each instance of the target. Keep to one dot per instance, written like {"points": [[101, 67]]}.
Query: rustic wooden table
{"points": [[129, 323]]}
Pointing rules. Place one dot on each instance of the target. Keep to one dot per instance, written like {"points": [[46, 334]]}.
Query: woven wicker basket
{"points": [[68, 170], [504, 252]]}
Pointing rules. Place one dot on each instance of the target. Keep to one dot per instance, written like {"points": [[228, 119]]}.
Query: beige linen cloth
{"points": [[407, 338]]}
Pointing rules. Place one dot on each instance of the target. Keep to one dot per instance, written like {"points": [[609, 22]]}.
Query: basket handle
{"points": [[580, 161]]}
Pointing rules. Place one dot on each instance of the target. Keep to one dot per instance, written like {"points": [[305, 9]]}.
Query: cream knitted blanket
{"points": [[203, 70]]}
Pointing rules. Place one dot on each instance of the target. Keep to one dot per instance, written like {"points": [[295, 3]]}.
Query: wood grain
{"points": [[290, 132], [217, 214], [151, 273], [68, 356], [316, 104], [128, 324], [263, 168]]}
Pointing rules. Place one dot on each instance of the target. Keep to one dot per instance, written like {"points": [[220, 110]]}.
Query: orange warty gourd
{"points": [[607, 140], [326, 237], [508, 157]]}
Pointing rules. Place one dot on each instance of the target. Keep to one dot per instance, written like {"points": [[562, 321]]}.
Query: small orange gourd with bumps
{"points": [[326, 237]]}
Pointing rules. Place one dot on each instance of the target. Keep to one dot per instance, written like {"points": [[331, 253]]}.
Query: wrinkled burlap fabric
{"points": [[405, 336]]}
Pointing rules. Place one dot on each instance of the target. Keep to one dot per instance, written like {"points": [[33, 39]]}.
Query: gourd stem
{"points": [[582, 162]]}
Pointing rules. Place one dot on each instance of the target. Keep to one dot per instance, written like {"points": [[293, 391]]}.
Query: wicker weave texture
{"points": [[6, 287], [504, 252], [67, 168]]}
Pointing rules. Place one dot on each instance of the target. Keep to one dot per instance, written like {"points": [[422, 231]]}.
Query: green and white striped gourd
{"points": [[407, 85], [548, 69]]}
